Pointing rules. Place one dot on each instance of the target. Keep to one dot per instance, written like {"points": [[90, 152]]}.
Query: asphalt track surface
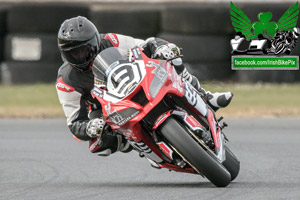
{"points": [[40, 160]]}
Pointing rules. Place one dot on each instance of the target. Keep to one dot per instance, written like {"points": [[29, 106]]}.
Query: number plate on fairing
{"points": [[124, 78]]}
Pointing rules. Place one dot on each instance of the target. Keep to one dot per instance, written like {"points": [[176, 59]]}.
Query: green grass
{"points": [[261, 100], [39, 100], [268, 95], [264, 100], [40, 95]]}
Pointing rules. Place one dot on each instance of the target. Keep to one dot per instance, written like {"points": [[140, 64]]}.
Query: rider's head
{"points": [[79, 42]]}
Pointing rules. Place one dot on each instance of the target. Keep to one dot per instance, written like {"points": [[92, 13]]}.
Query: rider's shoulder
{"points": [[66, 73], [110, 40], [64, 69]]}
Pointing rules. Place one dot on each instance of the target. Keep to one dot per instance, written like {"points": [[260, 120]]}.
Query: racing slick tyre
{"points": [[193, 153], [232, 164]]}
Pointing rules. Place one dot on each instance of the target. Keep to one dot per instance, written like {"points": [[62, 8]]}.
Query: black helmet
{"points": [[78, 42]]}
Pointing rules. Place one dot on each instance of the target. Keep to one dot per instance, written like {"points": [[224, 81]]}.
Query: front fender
{"points": [[188, 119], [161, 119]]}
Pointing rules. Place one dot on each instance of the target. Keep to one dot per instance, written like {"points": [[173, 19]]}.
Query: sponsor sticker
{"points": [[60, 85], [113, 39]]}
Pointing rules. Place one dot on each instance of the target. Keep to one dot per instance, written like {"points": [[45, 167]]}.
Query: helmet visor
{"points": [[82, 53]]}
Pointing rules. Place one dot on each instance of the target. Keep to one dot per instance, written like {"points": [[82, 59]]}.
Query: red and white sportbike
{"points": [[163, 117]]}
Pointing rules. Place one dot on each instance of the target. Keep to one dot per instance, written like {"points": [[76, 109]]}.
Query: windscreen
{"points": [[108, 59]]}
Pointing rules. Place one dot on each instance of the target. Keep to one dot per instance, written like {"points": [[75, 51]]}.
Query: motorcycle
{"points": [[162, 116]]}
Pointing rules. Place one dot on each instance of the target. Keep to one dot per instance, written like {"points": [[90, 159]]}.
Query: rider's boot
{"points": [[215, 100], [106, 144]]}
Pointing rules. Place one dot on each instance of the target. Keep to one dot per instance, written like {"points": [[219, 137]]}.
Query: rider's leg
{"points": [[215, 100]]}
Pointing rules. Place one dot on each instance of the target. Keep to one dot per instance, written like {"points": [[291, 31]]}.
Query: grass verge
{"points": [[259, 100], [30, 101]]}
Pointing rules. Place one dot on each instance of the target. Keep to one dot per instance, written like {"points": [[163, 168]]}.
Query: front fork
{"points": [[200, 107], [194, 125]]}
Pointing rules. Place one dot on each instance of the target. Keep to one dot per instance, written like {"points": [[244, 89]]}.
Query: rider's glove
{"points": [[95, 127], [167, 52]]}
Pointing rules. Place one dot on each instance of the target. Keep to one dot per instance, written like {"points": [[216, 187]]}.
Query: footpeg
{"points": [[153, 164], [220, 119], [224, 125], [180, 163]]}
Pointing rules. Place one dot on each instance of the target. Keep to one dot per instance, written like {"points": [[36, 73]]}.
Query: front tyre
{"points": [[232, 164], [182, 141]]}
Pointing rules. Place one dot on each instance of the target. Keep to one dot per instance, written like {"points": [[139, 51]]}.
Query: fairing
{"points": [[153, 80]]}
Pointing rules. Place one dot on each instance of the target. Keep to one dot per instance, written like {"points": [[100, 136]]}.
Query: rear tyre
{"points": [[232, 164], [179, 138]]}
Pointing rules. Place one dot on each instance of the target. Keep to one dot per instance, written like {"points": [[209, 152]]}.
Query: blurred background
{"points": [[29, 53]]}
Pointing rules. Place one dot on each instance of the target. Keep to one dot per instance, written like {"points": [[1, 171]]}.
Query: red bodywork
{"points": [[132, 129]]}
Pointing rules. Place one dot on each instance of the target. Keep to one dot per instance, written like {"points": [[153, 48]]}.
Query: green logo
{"points": [[264, 25], [264, 44]]}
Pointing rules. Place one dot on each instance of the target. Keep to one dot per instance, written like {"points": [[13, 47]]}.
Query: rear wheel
{"points": [[193, 153], [232, 164]]}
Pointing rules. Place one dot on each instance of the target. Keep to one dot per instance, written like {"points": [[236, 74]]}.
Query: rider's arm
{"points": [[162, 49], [151, 44], [118, 40], [75, 111]]}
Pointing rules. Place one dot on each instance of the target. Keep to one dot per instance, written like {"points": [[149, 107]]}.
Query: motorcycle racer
{"points": [[79, 43]]}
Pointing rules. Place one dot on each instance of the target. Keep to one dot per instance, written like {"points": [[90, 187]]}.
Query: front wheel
{"points": [[232, 164], [193, 153]]}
